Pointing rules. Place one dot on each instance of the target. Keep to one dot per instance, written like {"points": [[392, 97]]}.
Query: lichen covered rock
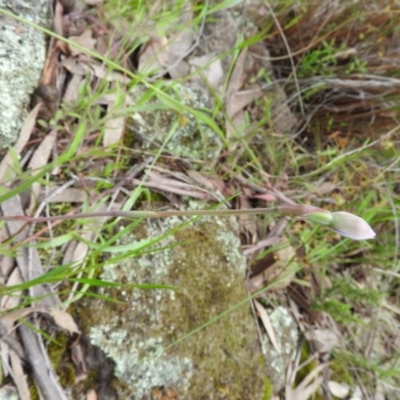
{"points": [[287, 337], [219, 361], [22, 56], [191, 137]]}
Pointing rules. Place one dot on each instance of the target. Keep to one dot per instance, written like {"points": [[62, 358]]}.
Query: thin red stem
{"points": [[292, 211]]}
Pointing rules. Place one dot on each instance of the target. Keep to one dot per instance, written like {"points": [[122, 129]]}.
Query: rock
{"points": [[22, 57], [203, 260], [8, 393], [191, 139], [287, 336]]}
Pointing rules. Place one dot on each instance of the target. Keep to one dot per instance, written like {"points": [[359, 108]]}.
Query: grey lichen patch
{"points": [[204, 260], [192, 138], [22, 56], [9, 393], [139, 361], [287, 337]]}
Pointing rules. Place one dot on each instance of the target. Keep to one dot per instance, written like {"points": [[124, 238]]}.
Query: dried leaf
{"points": [[357, 394], [267, 325], [6, 171], [175, 187], [154, 56], [180, 44], [78, 358], [69, 195], [72, 90], [28, 261], [339, 390], [9, 302], [239, 100], [75, 67], [84, 40], [114, 126], [6, 262], [207, 68], [308, 386], [39, 159], [91, 395], [63, 320], [57, 20], [19, 377], [205, 181], [282, 272], [98, 70], [113, 130], [166, 55], [11, 360], [322, 340], [42, 154]]}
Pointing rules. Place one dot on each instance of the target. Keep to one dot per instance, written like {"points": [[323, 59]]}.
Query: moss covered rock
{"points": [[219, 361]]}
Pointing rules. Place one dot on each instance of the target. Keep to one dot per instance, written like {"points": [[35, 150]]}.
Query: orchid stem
{"points": [[344, 223], [286, 210], [292, 211]]}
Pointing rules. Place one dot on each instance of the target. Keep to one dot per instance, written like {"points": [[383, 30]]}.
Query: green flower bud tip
{"points": [[322, 217], [351, 226]]}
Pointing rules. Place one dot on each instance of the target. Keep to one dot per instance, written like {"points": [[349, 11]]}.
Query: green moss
{"points": [[33, 392], [65, 370], [268, 390], [339, 311], [66, 373], [57, 348], [339, 372], [129, 135], [343, 297], [83, 386], [306, 370], [357, 295], [305, 355]]}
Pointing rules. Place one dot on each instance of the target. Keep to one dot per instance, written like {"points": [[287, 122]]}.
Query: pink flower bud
{"points": [[351, 226]]}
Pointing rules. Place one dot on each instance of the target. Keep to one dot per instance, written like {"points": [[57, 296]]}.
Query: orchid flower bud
{"points": [[344, 223], [351, 226]]}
